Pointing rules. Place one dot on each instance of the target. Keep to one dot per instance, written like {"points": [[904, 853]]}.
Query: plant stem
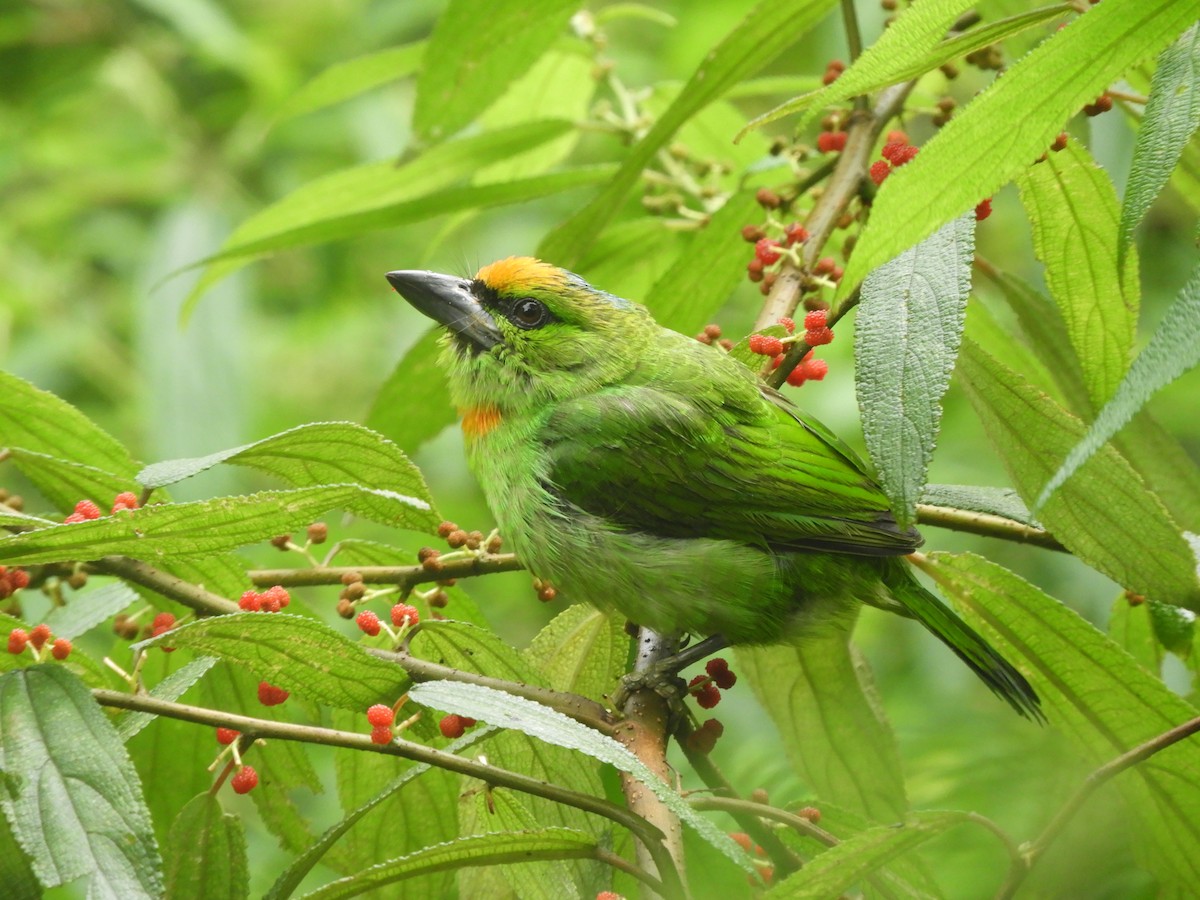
{"points": [[404, 576], [987, 525]]}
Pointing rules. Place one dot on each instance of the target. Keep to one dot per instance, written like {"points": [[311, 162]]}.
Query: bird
{"points": [[643, 471]]}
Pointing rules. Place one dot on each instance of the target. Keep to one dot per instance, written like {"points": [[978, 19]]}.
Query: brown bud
{"points": [[752, 234], [495, 542], [351, 577], [457, 538], [759, 795], [345, 608], [318, 532], [78, 579], [354, 591], [281, 541], [445, 528], [439, 599], [767, 198], [950, 70]]}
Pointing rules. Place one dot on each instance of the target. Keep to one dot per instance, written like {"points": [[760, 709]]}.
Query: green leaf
{"points": [[769, 29], [475, 850], [545, 724], [1091, 515], [1011, 123], [409, 416], [169, 530], [65, 483], [472, 649], [1130, 627], [69, 791], [1073, 210], [326, 453], [353, 77], [16, 871], [582, 650], [707, 272], [472, 58], [1004, 502], [1173, 350], [300, 655], [1100, 698], [87, 610], [906, 337], [836, 870], [206, 853], [1171, 117], [170, 688]]}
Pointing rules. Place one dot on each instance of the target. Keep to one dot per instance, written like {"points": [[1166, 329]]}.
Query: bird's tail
{"points": [[992, 668]]}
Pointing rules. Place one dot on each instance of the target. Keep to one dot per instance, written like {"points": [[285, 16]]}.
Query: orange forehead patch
{"points": [[519, 273], [479, 420]]}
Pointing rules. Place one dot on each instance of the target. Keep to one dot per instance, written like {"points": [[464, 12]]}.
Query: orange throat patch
{"points": [[479, 420]]}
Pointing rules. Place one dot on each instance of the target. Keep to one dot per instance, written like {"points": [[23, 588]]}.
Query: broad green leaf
{"points": [[353, 77], [475, 850], [1100, 698], [300, 655], [690, 293], [1011, 123], [1175, 628], [326, 453], [582, 650], [474, 55], [70, 793], [549, 725], [910, 321], [38, 421], [87, 610], [472, 649], [836, 870], [290, 879], [821, 697], [65, 483], [1171, 117], [1173, 350], [16, 870], [413, 405], [170, 688], [169, 530], [1072, 207], [1091, 514], [206, 853], [1130, 626], [769, 29], [994, 501]]}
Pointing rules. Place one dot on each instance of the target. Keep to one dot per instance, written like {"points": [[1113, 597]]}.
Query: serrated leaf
{"points": [[1170, 119], [472, 58], [405, 414], [1173, 349], [819, 694], [64, 483], [87, 610], [1102, 700], [16, 871], [581, 650], [906, 337], [508, 711], [994, 501], [1011, 123], [300, 655], [353, 77], [475, 850], [837, 869], [1072, 207], [325, 453], [206, 853], [472, 649], [170, 688], [1091, 514], [752, 44], [69, 790], [167, 531], [1129, 626]]}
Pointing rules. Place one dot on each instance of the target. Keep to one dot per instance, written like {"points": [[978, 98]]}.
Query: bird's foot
{"points": [[661, 675]]}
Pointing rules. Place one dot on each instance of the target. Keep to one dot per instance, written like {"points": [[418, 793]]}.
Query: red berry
{"points": [[125, 500], [742, 840], [811, 813], [815, 319], [718, 670], [815, 337], [226, 736], [983, 210], [896, 136], [38, 636], [795, 234], [899, 154], [716, 664], [17, 639], [275, 598], [467, 721], [766, 250], [824, 265], [452, 726], [251, 601], [765, 345], [60, 649], [1060, 142], [796, 376], [754, 270], [706, 693], [403, 614], [831, 141], [18, 578], [368, 622], [789, 325], [609, 895], [270, 695], [381, 716], [87, 509], [381, 734], [244, 780], [164, 621], [814, 370], [73, 518], [880, 169]]}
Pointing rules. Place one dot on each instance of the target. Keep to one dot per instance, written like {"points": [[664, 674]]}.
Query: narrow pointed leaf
{"points": [[1011, 123], [910, 322], [70, 792], [89, 609], [991, 500], [353, 77], [206, 853], [170, 688], [1173, 350]]}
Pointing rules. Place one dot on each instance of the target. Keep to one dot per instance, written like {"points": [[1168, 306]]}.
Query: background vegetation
{"points": [[318, 145]]}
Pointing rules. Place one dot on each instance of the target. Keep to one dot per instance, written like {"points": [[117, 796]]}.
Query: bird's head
{"points": [[523, 332]]}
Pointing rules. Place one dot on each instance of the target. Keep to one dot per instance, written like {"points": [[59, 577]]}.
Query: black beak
{"points": [[448, 300]]}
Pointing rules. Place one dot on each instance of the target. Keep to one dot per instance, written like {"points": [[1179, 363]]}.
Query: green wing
{"points": [[691, 457]]}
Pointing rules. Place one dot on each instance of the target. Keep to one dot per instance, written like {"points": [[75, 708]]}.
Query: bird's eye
{"points": [[529, 313]]}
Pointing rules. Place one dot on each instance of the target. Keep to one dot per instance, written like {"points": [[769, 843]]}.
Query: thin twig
{"points": [[405, 576], [986, 524], [853, 44], [170, 586]]}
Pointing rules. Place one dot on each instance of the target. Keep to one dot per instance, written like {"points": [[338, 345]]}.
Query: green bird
{"points": [[640, 470]]}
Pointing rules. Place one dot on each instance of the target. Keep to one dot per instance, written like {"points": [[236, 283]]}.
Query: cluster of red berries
{"points": [[163, 622], [767, 252], [38, 637], [403, 616], [833, 69], [704, 738], [270, 695], [244, 780], [273, 599], [454, 726], [1101, 104], [816, 333], [706, 689], [381, 718], [86, 509], [11, 581], [896, 152], [831, 141], [473, 540]]}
